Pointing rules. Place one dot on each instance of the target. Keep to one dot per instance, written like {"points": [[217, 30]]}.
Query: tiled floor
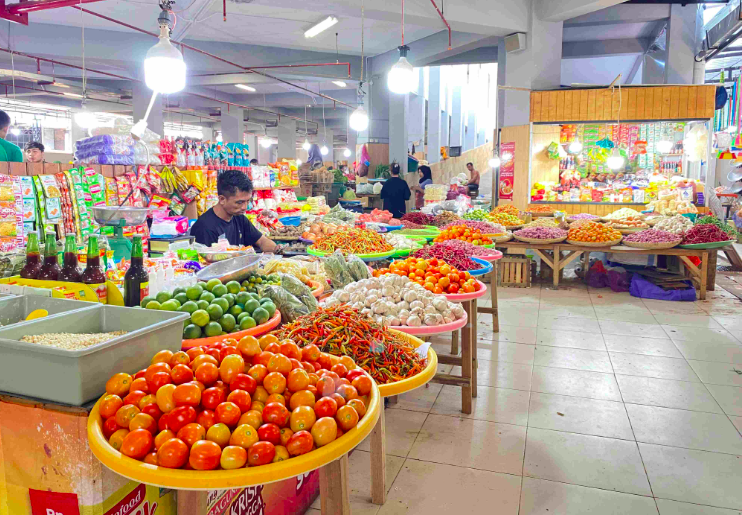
{"points": [[589, 402]]}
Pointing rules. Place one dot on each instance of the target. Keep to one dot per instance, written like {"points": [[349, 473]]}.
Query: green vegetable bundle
{"points": [[710, 219]]}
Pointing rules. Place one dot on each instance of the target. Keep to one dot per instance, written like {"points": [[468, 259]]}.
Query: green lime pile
{"points": [[256, 282], [215, 308]]}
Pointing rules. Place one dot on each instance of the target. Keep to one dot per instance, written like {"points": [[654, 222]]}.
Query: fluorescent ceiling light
{"points": [[73, 95], [321, 26], [245, 87], [339, 83]]}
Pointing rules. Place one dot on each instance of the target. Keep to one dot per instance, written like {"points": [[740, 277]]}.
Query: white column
{"points": [[252, 143], [287, 139], [457, 118], [434, 115], [207, 133], [233, 125], [398, 108]]}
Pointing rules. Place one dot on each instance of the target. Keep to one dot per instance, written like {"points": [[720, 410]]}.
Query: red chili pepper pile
{"points": [[704, 233], [353, 241], [455, 257], [342, 331], [419, 218]]}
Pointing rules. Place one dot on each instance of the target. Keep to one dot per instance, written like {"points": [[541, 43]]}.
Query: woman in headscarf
{"points": [[314, 157], [395, 193], [426, 178]]}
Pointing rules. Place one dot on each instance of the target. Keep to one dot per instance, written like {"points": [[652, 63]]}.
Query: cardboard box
{"points": [[118, 170], [107, 170], [34, 169], [52, 168]]}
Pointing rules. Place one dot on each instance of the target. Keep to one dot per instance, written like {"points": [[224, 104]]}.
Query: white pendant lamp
{"points": [[346, 152], [86, 119], [164, 68], [359, 119], [298, 162], [266, 143], [664, 146], [575, 147], [615, 160], [494, 162], [400, 78], [324, 150], [306, 146]]}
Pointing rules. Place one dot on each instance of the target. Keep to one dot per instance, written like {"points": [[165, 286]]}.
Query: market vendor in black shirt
{"points": [[395, 193], [228, 216]]}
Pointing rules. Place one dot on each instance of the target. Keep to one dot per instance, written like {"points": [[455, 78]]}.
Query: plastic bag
{"points": [[358, 269], [300, 290], [337, 270], [290, 307], [642, 288], [618, 279], [596, 277]]}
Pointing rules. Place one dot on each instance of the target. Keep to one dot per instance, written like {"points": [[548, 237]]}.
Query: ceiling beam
{"points": [[607, 47], [561, 10], [620, 14], [634, 69]]}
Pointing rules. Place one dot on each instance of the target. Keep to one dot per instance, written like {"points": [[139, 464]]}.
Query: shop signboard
{"points": [[507, 171]]}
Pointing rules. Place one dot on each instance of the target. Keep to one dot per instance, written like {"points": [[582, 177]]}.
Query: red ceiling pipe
{"points": [[14, 52], [444, 21], [183, 45], [41, 5]]}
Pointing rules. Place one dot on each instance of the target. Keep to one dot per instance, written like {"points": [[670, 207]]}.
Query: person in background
{"points": [[473, 184], [34, 152], [227, 218], [426, 178], [253, 162], [395, 193], [8, 151]]}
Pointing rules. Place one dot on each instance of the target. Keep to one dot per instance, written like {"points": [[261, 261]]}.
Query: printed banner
{"points": [[507, 170]]}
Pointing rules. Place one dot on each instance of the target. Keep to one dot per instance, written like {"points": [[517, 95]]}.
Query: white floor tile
{"points": [[620, 315], [681, 428], [699, 334], [577, 359], [572, 339], [652, 366], [688, 321], [471, 443], [510, 333], [664, 307], [586, 325], [492, 404], [730, 323], [668, 507], [585, 311], [641, 345], [577, 383], [359, 479], [717, 373], [540, 497], [431, 488], [699, 477], [505, 351], [667, 393], [710, 351], [728, 397], [605, 463], [502, 375], [401, 429], [631, 329], [737, 421], [579, 415]]}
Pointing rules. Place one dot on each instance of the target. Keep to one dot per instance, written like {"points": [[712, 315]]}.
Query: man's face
{"points": [[34, 155], [4, 131], [469, 167], [236, 204]]}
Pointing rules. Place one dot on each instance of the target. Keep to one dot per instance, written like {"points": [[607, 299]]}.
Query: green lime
{"points": [[153, 304], [178, 291], [219, 290], [213, 329], [212, 282], [254, 295], [222, 303], [188, 307], [202, 304], [200, 317], [233, 287], [227, 322], [191, 331], [235, 310], [215, 311], [186, 323], [170, 305], [194, 292], [242, 297], [263, 300], [207, 296], [242, 316], [260, 315], [146, 301], [181, 297], [247, 323], [163, 296], [251, 305], [230, 298], [270, 308], [245, 284]]}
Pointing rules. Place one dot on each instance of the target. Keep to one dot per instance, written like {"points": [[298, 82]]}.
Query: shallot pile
{"points": [[704, 233], [653, 236], [418, 218], [466, 248], [411, 225], [583, 216], [541, 233], [454, 257]]}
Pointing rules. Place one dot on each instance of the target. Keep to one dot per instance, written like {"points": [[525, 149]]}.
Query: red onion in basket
{"points": [[652, 236], [541, 233], [704, 233], [583, 216]]}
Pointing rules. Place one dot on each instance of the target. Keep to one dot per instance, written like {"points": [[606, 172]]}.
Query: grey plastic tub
{"points": [[15, 309], [79, 376]]}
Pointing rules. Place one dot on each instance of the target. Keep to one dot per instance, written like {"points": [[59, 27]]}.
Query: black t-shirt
{"points": [[395, 193], [238, 231]]}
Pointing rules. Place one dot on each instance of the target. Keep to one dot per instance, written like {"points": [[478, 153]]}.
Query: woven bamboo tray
{"points": [[539, 240], [502, 239], [630, 230], [513, 227], [570, 220], [651, 246], [596, 244]]}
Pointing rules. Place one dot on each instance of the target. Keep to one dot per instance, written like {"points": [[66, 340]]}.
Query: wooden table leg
{"points": [[711, 281], [555, 269], [192, 502], [474, 333], [393, 399], [455, 343], [466, 359], [333, 487], [704, 274], [493, 297], [378, 460]]}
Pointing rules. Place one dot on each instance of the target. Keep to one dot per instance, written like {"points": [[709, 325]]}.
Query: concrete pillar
{"points": [[252, 143], [681, 44], [76, 134], [434, 115], [398, 131], [352, 141], [287, 139], [141, 97], [378, 109], [457, 119], [207, 133], [653, 71], [416, 116], [233, 125], [470, 138]]}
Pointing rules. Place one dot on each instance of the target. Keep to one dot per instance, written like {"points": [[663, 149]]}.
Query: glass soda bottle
{"points": [[33, 257], [70, 272], [136, 280], [49, 270], [93, 274]]}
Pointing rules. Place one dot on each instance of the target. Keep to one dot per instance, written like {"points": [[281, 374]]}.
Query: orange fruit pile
{"points": [[434, 274], [463, 233], [508, 209], [592, 232]]}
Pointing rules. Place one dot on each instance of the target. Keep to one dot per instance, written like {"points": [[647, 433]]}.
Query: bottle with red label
{"points": [[70, 271], [93, 274], [33, 258], [136, 280], [49, 270]]}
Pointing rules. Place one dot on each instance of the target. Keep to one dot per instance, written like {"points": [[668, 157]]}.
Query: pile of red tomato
{"points": [[234, 404], [433, 274]]}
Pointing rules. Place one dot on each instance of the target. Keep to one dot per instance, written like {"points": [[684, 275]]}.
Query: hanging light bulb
{"points": [[400, 78], [664, 146], [324, 150], [615, 160], [86, 119], [346, 152], [164, 68], [494, 162], [359, 119], [575, 147], [306, 146], [266, 143], [298, 162], [507, 156]]}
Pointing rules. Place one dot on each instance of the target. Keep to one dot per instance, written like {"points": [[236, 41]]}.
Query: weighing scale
{"points": [[118, 218]]}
